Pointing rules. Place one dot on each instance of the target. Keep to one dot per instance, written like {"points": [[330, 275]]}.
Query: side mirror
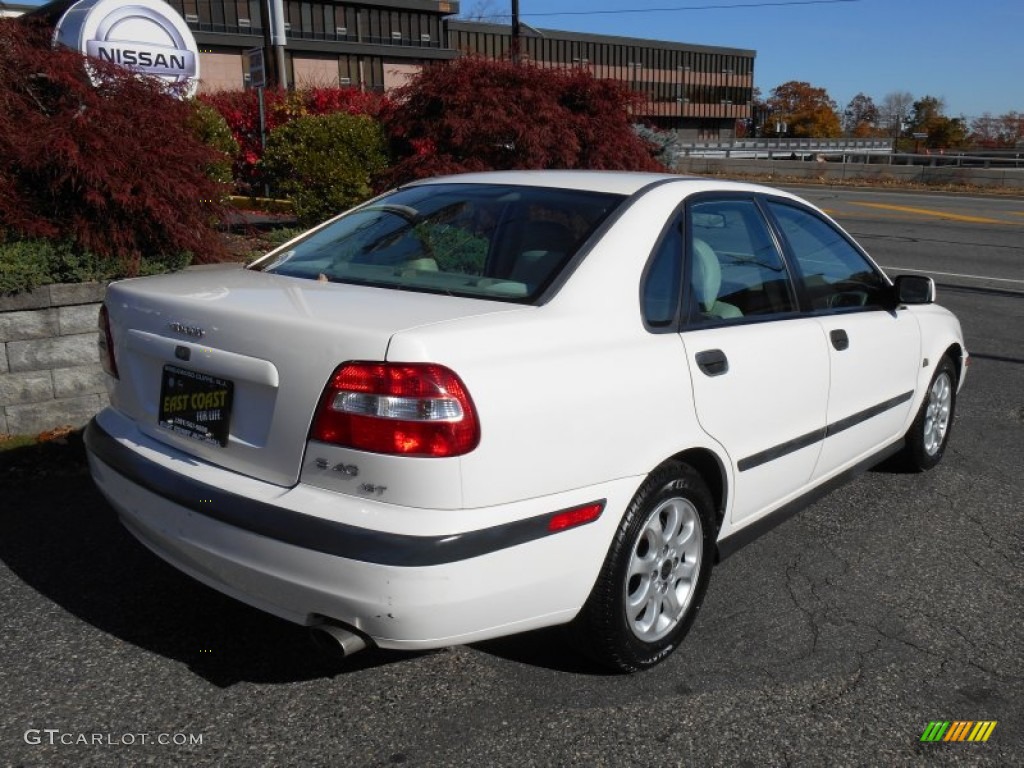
{"points": [[914, 289]]}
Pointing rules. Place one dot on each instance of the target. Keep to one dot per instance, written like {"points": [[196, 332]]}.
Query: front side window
{"points": [[735, 270], [480, 240], [834, 274]]}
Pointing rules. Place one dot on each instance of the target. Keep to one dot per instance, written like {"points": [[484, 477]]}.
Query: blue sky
{"points": [[969, 53]]}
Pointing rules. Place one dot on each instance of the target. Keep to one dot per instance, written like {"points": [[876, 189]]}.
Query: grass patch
{"points": [[13, 442]]}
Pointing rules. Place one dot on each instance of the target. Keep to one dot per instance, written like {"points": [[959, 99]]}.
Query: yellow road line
{"points": [[928, 212], [886, 216], [839, 214]]}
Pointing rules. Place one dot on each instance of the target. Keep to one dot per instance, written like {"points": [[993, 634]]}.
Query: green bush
{"points": [[212, 129], [24, 265], [27, 264], [325, 163]]}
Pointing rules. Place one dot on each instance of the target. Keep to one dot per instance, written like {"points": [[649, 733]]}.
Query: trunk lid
{"points": [[272, 340]]}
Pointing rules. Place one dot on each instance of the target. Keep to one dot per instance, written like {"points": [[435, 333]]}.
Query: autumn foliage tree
{"points": [[861, 118], [116, 170], [806, 111], [1004, 131], [928, 117], [476, 114]]}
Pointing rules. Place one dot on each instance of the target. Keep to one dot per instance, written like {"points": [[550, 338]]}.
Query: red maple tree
{"points": [[115, 169], [476, 114]]}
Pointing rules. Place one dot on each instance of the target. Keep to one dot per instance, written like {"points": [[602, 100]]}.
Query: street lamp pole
{"points": [[274, 41], [279, 40]]}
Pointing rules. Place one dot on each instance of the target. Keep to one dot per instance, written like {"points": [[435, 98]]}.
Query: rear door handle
{"points": [[839, 339], [712, 362]]}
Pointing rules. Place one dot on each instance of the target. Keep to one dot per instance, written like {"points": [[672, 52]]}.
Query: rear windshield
{"points": [[488, 241]]}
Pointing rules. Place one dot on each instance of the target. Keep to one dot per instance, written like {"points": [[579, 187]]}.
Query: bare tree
{"points": [[485, 10], [895, 111]]}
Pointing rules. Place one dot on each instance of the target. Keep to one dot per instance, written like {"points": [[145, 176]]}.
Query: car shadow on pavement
{"points": [[60, 537], [546, 648]]}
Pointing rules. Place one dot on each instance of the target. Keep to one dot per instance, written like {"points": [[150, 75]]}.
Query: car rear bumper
{"points": [[465, 575]]}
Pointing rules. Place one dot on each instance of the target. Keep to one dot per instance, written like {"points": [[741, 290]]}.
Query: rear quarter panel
{"points": [[575, 392]]}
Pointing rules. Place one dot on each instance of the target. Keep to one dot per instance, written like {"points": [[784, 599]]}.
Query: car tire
{"points": [[928, 436], [653, 580]]}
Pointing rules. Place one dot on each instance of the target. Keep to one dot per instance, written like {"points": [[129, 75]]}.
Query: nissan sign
{"points": [[146, 36]]}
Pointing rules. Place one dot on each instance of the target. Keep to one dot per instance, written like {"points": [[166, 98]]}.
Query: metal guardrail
{"points": [[937, 159], [781, 148], [981, 171], [933, 160], [845, 150]]}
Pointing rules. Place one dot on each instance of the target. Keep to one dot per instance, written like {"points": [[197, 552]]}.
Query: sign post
{"points": [[257, 68], [258, 80]]}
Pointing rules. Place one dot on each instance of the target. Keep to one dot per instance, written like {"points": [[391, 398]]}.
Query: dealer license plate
{"points": [[196, 405]]}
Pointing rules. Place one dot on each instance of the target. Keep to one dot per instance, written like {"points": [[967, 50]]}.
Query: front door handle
{"points": [[839, 339], [712, 362]]}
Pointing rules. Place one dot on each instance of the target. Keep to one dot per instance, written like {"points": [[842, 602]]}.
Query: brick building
{"points": [[699, 91]]}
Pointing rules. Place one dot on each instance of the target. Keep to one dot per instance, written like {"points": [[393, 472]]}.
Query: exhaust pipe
{"points": [[335, 638]]}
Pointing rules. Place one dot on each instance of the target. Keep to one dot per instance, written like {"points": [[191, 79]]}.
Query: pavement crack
{"points": [[973, 646], [944, 657], [791, 570], [904, 641], [991, 539], [993, 543]]}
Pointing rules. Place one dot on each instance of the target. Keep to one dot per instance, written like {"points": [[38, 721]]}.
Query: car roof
{"points": [[615, 182]]}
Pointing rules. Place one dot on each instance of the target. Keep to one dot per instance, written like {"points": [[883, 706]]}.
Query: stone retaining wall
{"points": [[49, 370]]}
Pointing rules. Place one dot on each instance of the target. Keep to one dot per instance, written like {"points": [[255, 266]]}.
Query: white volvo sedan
{"points": [[483, 404]]}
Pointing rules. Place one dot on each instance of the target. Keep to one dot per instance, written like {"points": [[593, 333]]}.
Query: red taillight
{"points": [[411, 409], [105, 343], [570, 518]]}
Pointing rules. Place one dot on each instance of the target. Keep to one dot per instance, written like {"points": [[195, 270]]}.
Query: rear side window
{"points": [[735, 270], [663, 281], [489, 241], [834, 274]]}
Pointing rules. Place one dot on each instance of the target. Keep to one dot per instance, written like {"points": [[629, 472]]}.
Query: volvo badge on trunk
{"points": [[189, 330]]}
